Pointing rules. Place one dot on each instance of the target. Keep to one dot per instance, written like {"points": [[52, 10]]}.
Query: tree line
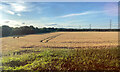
{"points": [[25, 30]]}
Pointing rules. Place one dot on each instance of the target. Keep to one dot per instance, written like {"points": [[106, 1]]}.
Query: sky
{"points": [[59, 14]]}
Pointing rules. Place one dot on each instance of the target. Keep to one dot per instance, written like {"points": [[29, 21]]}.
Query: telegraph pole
{"points": [[90, 26], [110, 24], [79, 26]]}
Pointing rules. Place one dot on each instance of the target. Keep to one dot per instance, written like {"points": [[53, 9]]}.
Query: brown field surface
{"points": [[62, 40]]}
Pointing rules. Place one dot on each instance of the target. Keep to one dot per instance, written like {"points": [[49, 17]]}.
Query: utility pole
{"points": [[79, 26], [110, 24], [90, 26], [62, 26]]}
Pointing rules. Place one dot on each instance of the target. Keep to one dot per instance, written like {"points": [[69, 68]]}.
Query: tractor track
{"points": [[49, 38]]}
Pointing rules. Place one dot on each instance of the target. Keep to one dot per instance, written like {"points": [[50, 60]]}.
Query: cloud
{"points": [[10, 12], [13, 13], [18, 7], [15, 7], [19, 14], [17, 25], [12, 23], [52, 25], [23, 23], [79, 14], [7, 21], [1, 7]]}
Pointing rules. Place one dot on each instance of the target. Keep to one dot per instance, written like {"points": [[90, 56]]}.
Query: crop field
{"points": [[62, 51], [63, 40]]}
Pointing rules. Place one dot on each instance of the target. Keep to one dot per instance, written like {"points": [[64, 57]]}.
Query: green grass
{"points": [[62, 59]]}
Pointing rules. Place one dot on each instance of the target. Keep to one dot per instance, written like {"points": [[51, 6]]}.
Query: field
{"points": [[62, 51], [63, 40]]}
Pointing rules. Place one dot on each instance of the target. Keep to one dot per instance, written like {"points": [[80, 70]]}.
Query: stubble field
{"points": [[63, 40]]}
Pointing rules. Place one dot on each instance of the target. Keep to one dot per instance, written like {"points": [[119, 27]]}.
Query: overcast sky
{"points": [[60, 14]]}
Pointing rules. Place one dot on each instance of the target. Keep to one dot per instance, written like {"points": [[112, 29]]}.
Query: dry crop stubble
{"points": [[62, 40]]}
